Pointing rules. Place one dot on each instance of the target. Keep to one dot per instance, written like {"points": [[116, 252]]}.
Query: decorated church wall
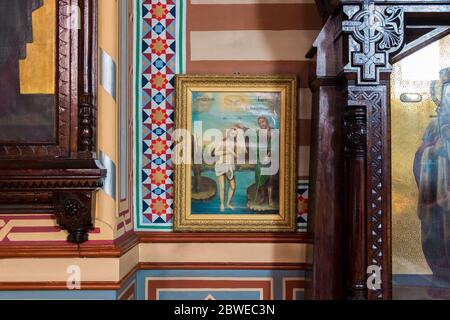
{"points": [[212, 37], [142, 45]]}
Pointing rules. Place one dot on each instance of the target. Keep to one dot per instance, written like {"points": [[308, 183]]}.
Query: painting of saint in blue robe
{"points": [[432, 174]]}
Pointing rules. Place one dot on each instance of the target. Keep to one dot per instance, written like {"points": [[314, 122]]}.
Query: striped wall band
{"points": [[109, 182], [108, 71]]}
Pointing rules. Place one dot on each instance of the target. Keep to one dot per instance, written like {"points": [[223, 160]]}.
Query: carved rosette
{"points": [[73, 213], [355, 132], [374, 33]]}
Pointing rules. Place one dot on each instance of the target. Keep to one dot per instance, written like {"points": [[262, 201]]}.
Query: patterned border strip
{"points": [[159, 31], [228, 284]]}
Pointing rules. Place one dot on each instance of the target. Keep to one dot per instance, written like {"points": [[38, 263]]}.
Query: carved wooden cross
{"points": [[368, 29]]}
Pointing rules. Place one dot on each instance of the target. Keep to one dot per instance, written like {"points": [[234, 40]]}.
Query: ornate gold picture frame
{"points": [[235, 153]]}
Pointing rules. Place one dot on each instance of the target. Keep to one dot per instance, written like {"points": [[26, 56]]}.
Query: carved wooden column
{"points": [[355, 49], [327, 168], [355, 126], [373, 32], [353, 53]]}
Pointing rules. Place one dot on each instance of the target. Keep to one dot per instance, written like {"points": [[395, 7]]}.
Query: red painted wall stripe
{"points": [[254, 17]]}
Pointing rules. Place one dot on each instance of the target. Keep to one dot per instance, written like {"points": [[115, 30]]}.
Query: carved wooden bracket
{"points": [[374, 33], [73, 210], [65, 187]]}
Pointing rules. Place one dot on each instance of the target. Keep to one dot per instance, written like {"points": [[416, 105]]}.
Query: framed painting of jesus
{"points": [[234, 153]]}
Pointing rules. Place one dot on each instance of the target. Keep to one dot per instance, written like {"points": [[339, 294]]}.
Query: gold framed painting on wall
{"points": [[235, 153]]}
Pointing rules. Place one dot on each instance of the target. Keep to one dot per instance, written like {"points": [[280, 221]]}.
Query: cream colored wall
{"points": [[107, 127], [245, 253], [115, 269]]}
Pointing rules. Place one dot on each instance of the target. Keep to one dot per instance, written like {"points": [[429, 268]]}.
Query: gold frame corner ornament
{"points": [[285, 220]]}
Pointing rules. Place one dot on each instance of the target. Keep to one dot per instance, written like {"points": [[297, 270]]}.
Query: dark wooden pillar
{"points": [[355, 124], [327, 169], [350, 167], [350, 161], [326, 191]]}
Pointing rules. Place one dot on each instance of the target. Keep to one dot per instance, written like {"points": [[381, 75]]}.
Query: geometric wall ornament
{"points": [[160, 25], [302, 205], [293, 288], [196, 284], [200, 288]]}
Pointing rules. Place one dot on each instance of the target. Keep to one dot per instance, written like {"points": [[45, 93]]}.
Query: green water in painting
{"points": [[244, 179]]}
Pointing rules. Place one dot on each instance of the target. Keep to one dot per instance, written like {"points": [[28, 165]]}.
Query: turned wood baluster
{"points": [[86, 100]]}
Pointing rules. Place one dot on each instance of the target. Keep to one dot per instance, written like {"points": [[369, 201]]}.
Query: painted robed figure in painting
{"points": [[266, 184], [16, 30], [431, 170], [25, 115]]}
